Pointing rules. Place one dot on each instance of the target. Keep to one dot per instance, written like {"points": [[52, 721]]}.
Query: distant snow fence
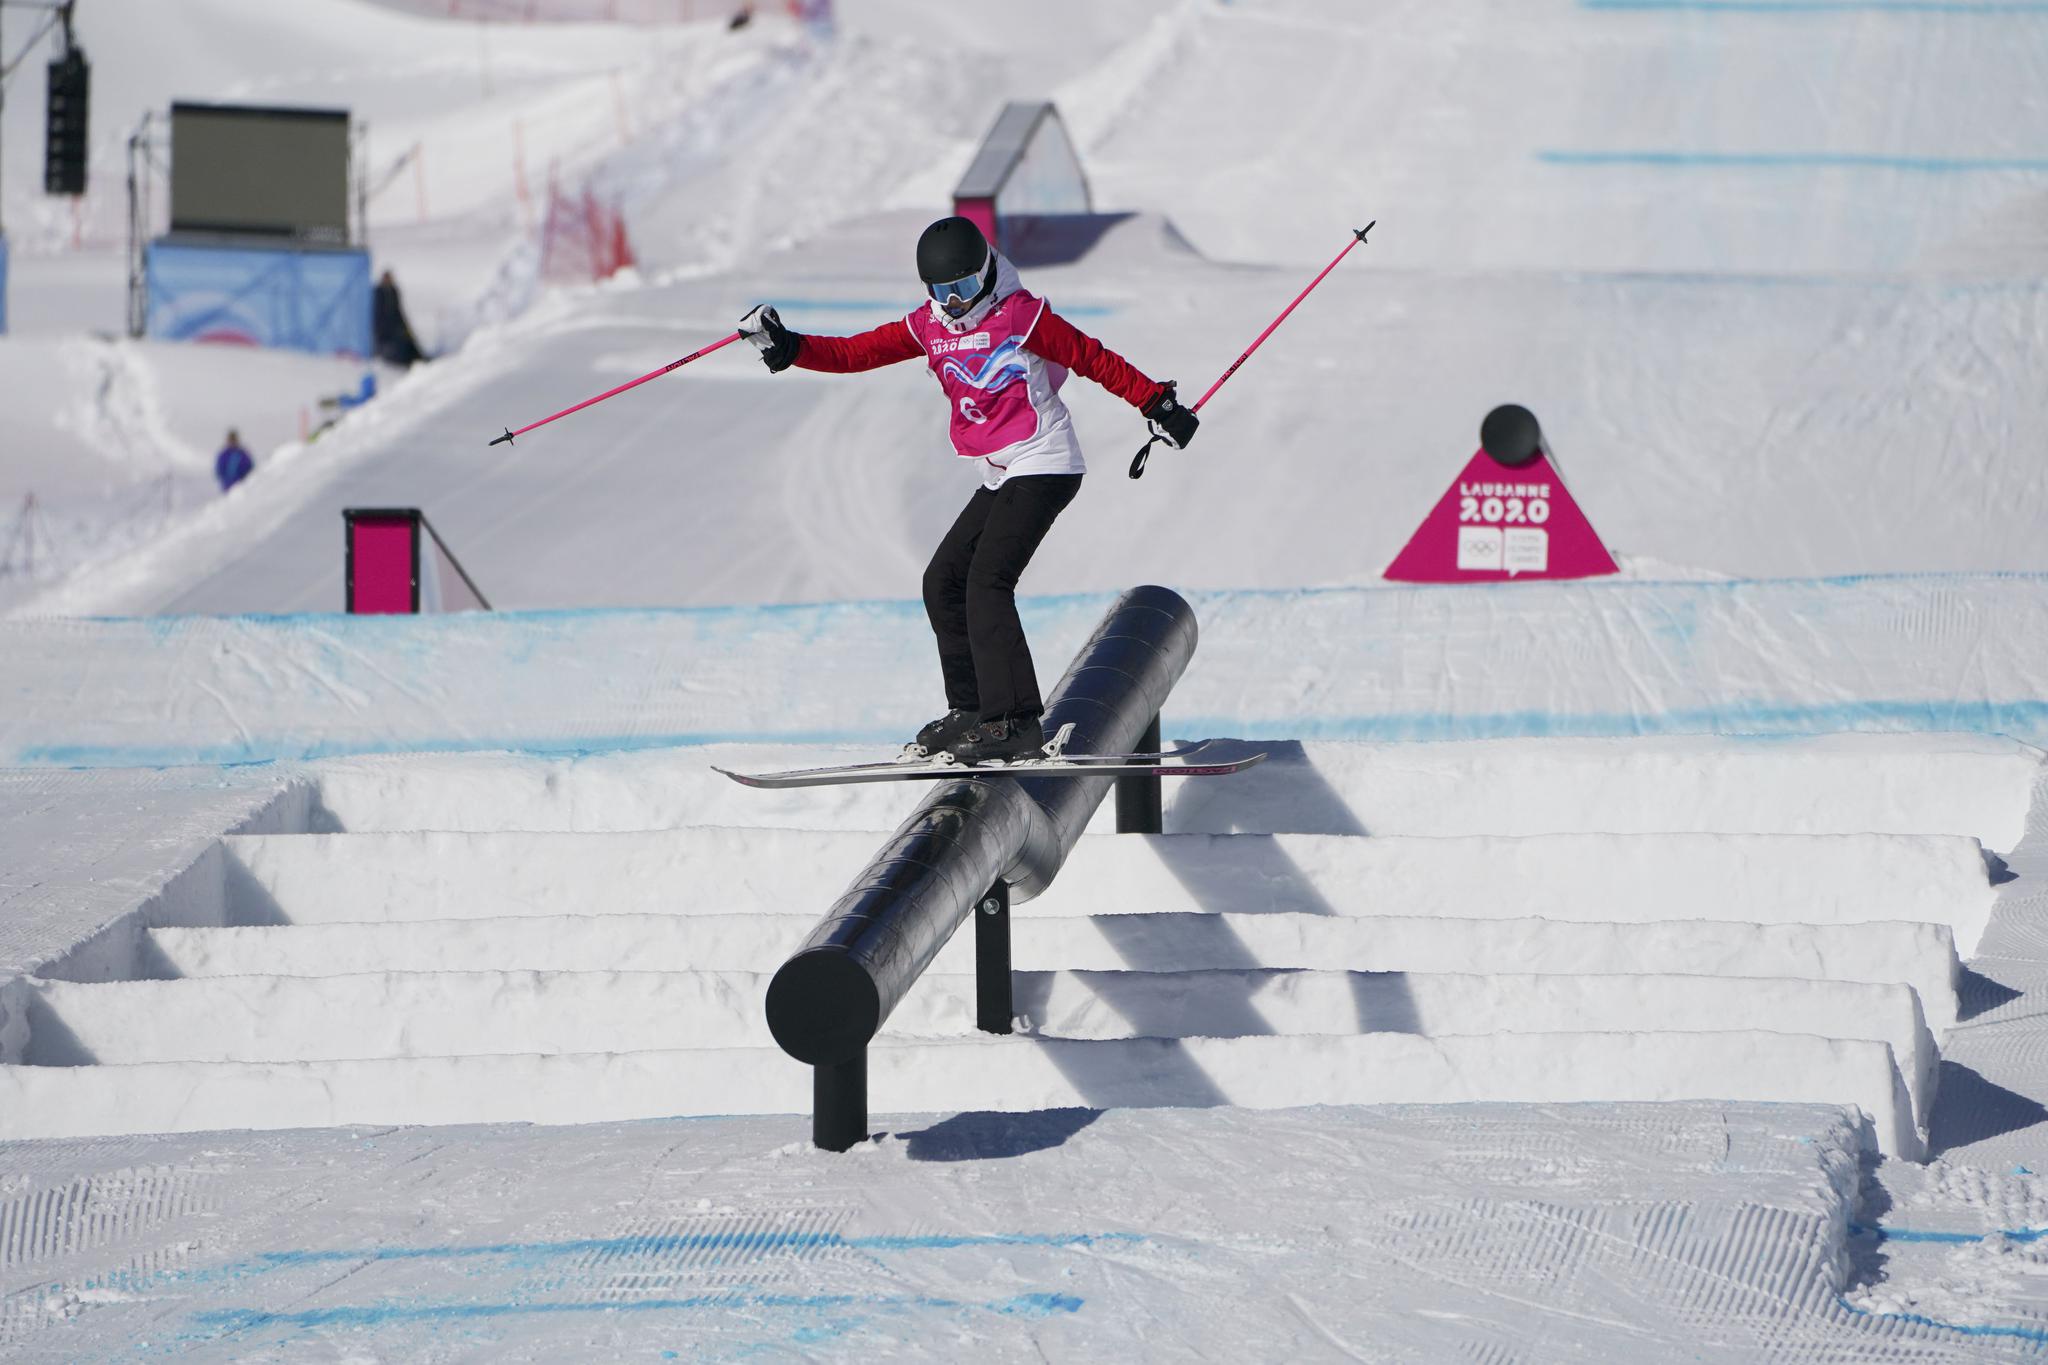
{"points": [[583, 239], [973, 847], [388, 568]]}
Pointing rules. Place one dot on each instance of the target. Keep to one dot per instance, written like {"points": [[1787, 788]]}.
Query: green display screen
{"points": [[273, 172]]}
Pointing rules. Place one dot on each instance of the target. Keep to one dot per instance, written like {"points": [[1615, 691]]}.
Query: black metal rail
{"points": [[982, 841]]}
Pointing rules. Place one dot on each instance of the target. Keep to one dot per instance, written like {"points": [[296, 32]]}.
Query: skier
{"points": [[1000, 354]]}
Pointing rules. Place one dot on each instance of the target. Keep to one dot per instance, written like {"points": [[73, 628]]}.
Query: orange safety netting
{"points": [[583, 239]]}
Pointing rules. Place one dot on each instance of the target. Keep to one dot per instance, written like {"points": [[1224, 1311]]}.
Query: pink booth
{"points": [[391, 567]]}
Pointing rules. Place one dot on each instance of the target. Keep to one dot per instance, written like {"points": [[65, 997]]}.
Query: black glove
{"points": [[1171, 422], [777, 344]]}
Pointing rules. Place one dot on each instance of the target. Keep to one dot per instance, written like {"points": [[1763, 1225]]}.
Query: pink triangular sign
{"points": [[1499, 522]]}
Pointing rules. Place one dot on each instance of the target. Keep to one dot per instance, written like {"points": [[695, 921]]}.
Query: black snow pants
{"points": [[970, 594]]}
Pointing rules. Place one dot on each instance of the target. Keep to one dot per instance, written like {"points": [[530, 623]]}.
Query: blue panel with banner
{"points": [[315, 301]]}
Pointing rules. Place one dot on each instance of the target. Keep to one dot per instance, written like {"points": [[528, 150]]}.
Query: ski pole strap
{"points": [[1144, 454]]}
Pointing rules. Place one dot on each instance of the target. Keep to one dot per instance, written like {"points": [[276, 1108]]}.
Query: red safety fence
{"points": [[583, 239]]}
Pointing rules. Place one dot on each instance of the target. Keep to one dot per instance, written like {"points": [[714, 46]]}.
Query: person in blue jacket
{"points": [[233, 464]]}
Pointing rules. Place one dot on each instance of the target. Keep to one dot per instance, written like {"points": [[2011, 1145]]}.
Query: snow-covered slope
{"points": [[1070, 1235], [1769, 273], [116, 438], [1892, 654], [1691, 137], [1750, 428], [1771, 343], [96, 1050]]}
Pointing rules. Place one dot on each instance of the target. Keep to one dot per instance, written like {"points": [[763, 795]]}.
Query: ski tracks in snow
{"points": [[119, 412], [846, 503]]}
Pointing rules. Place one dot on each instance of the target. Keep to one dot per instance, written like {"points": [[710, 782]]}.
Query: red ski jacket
{"points": [[1054, 339]]}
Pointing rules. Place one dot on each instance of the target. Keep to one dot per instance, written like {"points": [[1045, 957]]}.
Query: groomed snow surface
{"points": [[1682, 1231], [1585, 976], [592, 949], [246, 1026]]}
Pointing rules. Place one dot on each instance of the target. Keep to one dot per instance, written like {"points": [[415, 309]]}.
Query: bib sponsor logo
{"points": [[977, 341]]}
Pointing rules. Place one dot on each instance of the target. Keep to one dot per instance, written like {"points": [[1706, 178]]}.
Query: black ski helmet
{"points": [[951, 250]]}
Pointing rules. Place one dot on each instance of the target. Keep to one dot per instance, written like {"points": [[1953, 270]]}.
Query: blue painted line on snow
{"points": [[1882, 1234], [1761, 720], [1885, 1234], [256, 754], [1862, 161], [233, 1320], [756, 1242], [2020, 719], [948, 1241], [171, 627], [2034, 1334], [1829, 6], [168, 627]]}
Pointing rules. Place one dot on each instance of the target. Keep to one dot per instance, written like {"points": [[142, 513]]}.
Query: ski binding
{"points": [[1057, 762]]}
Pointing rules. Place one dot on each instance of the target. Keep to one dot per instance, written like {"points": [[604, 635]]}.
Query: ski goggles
{"points": [[954, 292]]}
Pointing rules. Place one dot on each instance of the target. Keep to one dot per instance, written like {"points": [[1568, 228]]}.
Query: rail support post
{"points": [[992, 1004], [1006, 832], [1139, 806], [839, 1103]]}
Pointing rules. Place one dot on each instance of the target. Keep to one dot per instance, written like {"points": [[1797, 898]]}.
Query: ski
{"points": [[1070, 765], [1055, 749]]}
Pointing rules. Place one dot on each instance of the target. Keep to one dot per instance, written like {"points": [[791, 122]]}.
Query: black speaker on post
{"points": [[64, 139]]}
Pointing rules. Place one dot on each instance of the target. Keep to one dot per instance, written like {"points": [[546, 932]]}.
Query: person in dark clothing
{"points": [[233, 464], [390, 334], [970, 596], [1000, 354]]}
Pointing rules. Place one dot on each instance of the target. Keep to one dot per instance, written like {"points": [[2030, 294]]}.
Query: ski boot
{"points": [[998, 743], [937, 737]]}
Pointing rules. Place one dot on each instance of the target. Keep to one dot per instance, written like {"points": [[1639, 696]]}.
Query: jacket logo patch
{"points": [[996, 372]]}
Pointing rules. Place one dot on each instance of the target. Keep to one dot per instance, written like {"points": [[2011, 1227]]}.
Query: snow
{"points": [[1964, 785], [125, 454], [1762, 879], [1129, 1233], [1919, 955], [450, 1042], [1257, 1073], [476, 1014], [1585, 974], [1715, 387], [1932, 653], [1810, 341]]}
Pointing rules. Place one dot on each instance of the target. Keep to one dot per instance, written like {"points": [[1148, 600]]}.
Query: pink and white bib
{"points": [[1006, 407]]}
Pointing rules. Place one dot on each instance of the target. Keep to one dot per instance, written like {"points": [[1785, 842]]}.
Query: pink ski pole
{"points": [[1138, 462], [614, 393]]}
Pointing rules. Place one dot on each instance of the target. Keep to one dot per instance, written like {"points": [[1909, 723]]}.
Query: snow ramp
{"points": [[418, 938]]}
